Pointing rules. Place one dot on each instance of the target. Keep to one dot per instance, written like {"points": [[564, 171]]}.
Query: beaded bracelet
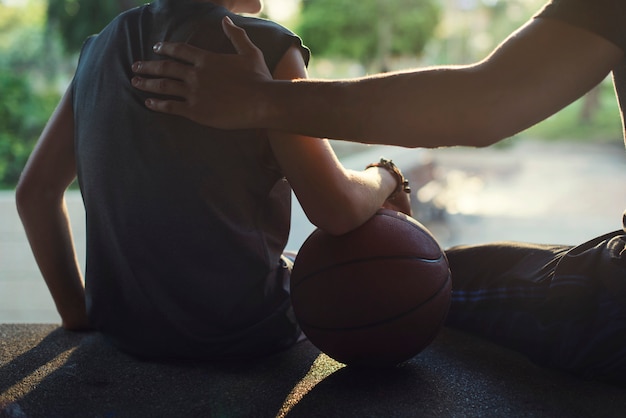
{"points": [[403, 183]]}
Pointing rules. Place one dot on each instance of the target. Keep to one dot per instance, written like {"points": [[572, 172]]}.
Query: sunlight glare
{"points": [[322, 367], [281, 10]]}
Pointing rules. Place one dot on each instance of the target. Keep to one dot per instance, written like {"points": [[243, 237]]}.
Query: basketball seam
{"points": [[364, 260], [386, 320]]}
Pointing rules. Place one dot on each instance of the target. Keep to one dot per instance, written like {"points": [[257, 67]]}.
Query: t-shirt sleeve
{"points": [[273, 39], [606, 18]]}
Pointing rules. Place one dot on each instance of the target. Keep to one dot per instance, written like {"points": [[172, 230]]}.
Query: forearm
{"points": [[49, 233], [364, 192], [428, 108], [334, 199]]}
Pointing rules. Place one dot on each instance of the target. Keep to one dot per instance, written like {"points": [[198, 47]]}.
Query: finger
{"points": [[170, 69], [172, 107], [164, 86], [180, 51], [237, 36]]}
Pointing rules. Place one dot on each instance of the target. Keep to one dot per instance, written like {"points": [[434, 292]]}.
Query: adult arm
{"points": [[541, 68], [41, 206], [334, 198]]}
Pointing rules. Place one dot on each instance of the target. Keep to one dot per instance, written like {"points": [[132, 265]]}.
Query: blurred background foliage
{"points": [[40, 41], [74, 20], [370, 32]]}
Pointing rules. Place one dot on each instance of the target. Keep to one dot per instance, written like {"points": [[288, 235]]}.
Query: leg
{"points": [[498, 292], [564, 307]]}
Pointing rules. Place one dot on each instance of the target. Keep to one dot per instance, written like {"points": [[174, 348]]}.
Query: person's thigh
{"points": [[498, 291], [555, 304]]}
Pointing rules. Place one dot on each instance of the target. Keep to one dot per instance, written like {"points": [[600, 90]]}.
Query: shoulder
{"points": [[262, 26], [129, 15], [606, 18], [125, 19], [270, 36]]}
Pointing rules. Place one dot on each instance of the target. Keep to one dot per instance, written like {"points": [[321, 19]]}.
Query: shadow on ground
{"points": [[48, 372]]}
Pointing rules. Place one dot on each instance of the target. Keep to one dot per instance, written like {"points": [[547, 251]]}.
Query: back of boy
{"points": [[185, 224]]}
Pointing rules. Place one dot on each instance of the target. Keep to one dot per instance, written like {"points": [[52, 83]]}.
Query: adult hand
{"points": [[74, 316], [218, 90]]}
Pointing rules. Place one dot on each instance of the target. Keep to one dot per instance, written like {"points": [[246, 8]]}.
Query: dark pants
{"points": [[563, 306]]}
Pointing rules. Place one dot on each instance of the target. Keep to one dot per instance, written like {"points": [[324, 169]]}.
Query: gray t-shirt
{"points": [[185, 224]]}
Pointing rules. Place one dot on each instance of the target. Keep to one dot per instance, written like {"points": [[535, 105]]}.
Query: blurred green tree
{"points": [[28, 92], [23, 112], [32, 70], [75, 20], [369, 31]]}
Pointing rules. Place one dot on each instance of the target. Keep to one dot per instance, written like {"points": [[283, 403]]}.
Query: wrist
{"points": [[75, 321], [402, 184]]}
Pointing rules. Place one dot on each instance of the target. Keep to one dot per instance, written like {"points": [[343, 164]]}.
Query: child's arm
{"points": [[41, 206], [335, 199]]}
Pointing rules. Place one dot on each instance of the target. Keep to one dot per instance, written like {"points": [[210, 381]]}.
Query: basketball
{"points": [[375, 296]]}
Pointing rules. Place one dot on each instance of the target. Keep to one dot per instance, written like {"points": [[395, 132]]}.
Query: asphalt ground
{"points": [[48, 372]]}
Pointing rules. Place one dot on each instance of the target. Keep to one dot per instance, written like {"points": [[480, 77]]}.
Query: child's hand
{"points": [[76, 326], [400, 202], [75, 320]]}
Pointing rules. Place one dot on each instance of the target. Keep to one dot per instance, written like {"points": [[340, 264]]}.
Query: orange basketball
{"points": [[375, 296]]}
